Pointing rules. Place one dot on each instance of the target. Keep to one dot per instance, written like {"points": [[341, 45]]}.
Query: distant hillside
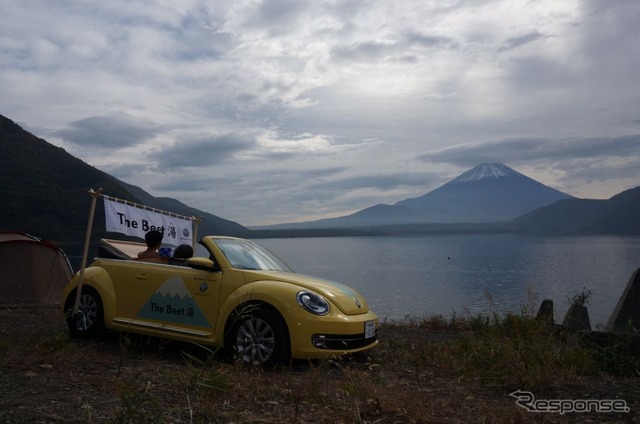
{"points": [[211, 224], [372, 216], [487, 193], [617, 215], [43, 190]]}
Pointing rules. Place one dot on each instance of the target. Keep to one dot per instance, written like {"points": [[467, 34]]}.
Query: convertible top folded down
{"points": [[118, 249]]}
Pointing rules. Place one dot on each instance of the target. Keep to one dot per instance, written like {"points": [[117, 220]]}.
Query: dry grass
{"points": [[429, 369]]}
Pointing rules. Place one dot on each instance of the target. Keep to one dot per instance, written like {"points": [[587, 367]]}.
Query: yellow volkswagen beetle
{"points": [[240, 297]]}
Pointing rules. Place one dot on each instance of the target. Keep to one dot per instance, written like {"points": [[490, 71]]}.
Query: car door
{"points": [[122, 276], [175, 299]]}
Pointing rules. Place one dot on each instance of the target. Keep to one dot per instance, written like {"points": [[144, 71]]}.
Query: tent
{"points": [[32, 270]]}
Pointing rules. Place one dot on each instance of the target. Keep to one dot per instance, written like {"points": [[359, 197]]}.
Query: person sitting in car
{"points": [[181, 254], [153, 239]]}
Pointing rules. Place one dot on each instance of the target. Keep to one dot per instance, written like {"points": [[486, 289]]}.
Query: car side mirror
{"points": [[203, 264]]}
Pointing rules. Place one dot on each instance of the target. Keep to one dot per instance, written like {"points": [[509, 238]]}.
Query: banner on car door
{"points": [[136, 221]]}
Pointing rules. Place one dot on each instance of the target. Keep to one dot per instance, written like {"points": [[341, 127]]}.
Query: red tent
{"points": [[32, 270]]}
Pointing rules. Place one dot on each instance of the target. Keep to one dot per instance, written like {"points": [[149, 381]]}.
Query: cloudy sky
{"points": [[271, 111]]}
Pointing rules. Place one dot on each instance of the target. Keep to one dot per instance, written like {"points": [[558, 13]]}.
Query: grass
{"points": [[500, 353], [426, 369], [491, 350]]}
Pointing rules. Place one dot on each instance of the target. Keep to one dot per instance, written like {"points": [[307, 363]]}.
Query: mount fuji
{"points": [[487, 193], [490, 192]]}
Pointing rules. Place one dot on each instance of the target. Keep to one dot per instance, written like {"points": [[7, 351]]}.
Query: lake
{"points": [[445, 274]]}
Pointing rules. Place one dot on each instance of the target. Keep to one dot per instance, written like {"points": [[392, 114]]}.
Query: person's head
{"points": [[184, 251], [153, 239]]}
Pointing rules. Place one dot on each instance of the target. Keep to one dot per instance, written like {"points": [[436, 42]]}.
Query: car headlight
{"points": [[312, 302]]}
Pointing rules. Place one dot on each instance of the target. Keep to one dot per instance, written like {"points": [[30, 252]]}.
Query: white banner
{"points": [[133, 221]]}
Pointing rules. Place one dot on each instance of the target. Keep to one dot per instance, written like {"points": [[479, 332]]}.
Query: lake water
{"points": [[403, 276]]}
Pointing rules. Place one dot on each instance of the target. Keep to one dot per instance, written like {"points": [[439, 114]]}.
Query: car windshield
{"points": [[244, 254]]}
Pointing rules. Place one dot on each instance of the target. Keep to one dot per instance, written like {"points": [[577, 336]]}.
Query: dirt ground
{"points": [[45, 377]]}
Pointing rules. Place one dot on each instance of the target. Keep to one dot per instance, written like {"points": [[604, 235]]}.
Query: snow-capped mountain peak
{"points": [[485, 170], [174, 287], [489, 192]]}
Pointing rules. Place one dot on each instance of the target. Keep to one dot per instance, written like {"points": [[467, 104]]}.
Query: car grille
{"points": [[341, 342]]}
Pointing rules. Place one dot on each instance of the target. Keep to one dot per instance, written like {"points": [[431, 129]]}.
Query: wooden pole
{"points": [[85, 252], [194, 239]]}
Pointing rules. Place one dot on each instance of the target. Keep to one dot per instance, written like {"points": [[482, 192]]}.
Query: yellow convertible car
{"points": [[240, 297]]}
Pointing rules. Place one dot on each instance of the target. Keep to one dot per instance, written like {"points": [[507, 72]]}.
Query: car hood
{"points": [[348, 300]]}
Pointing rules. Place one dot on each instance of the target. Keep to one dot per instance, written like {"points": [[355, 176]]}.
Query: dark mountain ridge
{"points": [[618, 215], [44, 191]]}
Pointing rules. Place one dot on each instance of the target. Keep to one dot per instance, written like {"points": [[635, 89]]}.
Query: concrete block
{"points": [[545, 313], [577, 319], [626, 315]]}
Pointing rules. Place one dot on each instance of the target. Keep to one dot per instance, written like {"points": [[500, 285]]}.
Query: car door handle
{"points": [[141, 277]]}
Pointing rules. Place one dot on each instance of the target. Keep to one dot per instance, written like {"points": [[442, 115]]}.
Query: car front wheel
{"points": [[260, 337], [89, 321]]}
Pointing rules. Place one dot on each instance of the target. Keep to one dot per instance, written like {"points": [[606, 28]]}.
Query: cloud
{"points": [[536, 149], [125, 172], [201, 151], [310, 108], [539, 73], [379, 182], [585, 167], [113, 131], [189, 184], [275, 16], [401, 47], [521, 40]]}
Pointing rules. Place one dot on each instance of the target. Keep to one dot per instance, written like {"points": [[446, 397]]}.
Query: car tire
{"points": [[89, 321], [259, 336]]}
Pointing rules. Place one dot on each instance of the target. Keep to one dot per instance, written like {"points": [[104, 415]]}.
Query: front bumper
{"points": [[332, 336], [342, 342]]}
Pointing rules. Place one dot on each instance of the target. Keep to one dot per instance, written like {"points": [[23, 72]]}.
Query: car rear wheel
{"points": [[260, 337], [89, 321]]}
